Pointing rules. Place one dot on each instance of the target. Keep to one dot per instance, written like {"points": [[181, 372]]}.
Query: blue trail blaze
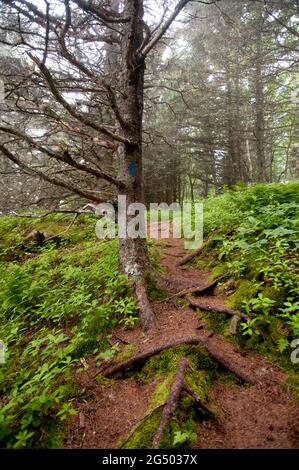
{"points": [[133, 168]]}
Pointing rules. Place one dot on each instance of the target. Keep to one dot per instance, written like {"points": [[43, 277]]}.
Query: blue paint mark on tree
{"points": [[133, 168]]}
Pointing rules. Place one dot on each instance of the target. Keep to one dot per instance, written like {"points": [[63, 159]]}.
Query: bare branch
{"points": [[149, 46], [108, 16], [50, 179], [47, 32], [66, 158], [59, 98]]}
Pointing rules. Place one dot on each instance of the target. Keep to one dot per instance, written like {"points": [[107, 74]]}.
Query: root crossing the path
{"points": [[256, 411]]}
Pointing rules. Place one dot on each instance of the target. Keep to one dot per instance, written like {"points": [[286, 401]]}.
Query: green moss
{"points": [[201, 382], [85, 348], [277, 294], [277, 329], [217, 322], [105, 380], [218, 271], [143, 435], [229, 378], [246, 290], [183, 420], [200, 359], [200, 377], [182, 302], [200, 264], [153, 292], [161, 391], [161, 364], [270, 350], [55, 434], [166, 362], [129, 351]]}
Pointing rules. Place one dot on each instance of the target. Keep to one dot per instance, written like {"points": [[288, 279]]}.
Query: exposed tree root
{"points": [[178, 385], [198, 400], [140, 423], [184, 387], [172, 284], [118, 338], [233, 327], [226, 361], [108, 372], [172, 400], [189, 257], [200, 303], [229, 364], [175, 255], [146, 314], [195, 290]]}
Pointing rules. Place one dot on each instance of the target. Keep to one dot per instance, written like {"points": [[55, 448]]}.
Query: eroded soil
{"points": [[263, 415]]}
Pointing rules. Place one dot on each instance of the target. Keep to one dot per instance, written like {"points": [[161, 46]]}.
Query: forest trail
{"points": [[259, 415]]}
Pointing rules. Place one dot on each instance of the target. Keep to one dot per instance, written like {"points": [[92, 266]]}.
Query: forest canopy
{"points": [[220, 99]]}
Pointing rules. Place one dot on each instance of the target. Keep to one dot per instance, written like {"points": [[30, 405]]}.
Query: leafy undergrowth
{"points": [[15, 246], [59, 302], [251, 235], [57, 306]]}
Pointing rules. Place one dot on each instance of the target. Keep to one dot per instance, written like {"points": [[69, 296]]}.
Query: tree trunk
{"points": [[231, 169], [133, 252], [191, 183], [259, 107], [172, 400], [240, 168], [248, 161]]}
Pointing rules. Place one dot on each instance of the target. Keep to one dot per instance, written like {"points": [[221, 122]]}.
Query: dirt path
{"points": [[258, 416]]}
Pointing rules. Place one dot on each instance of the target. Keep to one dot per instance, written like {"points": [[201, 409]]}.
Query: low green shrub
{"points": [[56, 307]]}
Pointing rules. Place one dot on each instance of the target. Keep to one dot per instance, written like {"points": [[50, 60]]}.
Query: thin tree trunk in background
{"points": [[229, 168], [179, 177], [259, 106], [248, 161], [191, 183], [205, 189], [213, 168], [233, 169], [169, 188], [240, 169]]}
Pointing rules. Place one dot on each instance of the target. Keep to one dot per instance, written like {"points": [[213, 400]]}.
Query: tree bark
{"points": [[189, 257], [202, 304], [108, 372], [259, 104], [133, 251], [172, 400], [226, 360], [197, 290]]}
